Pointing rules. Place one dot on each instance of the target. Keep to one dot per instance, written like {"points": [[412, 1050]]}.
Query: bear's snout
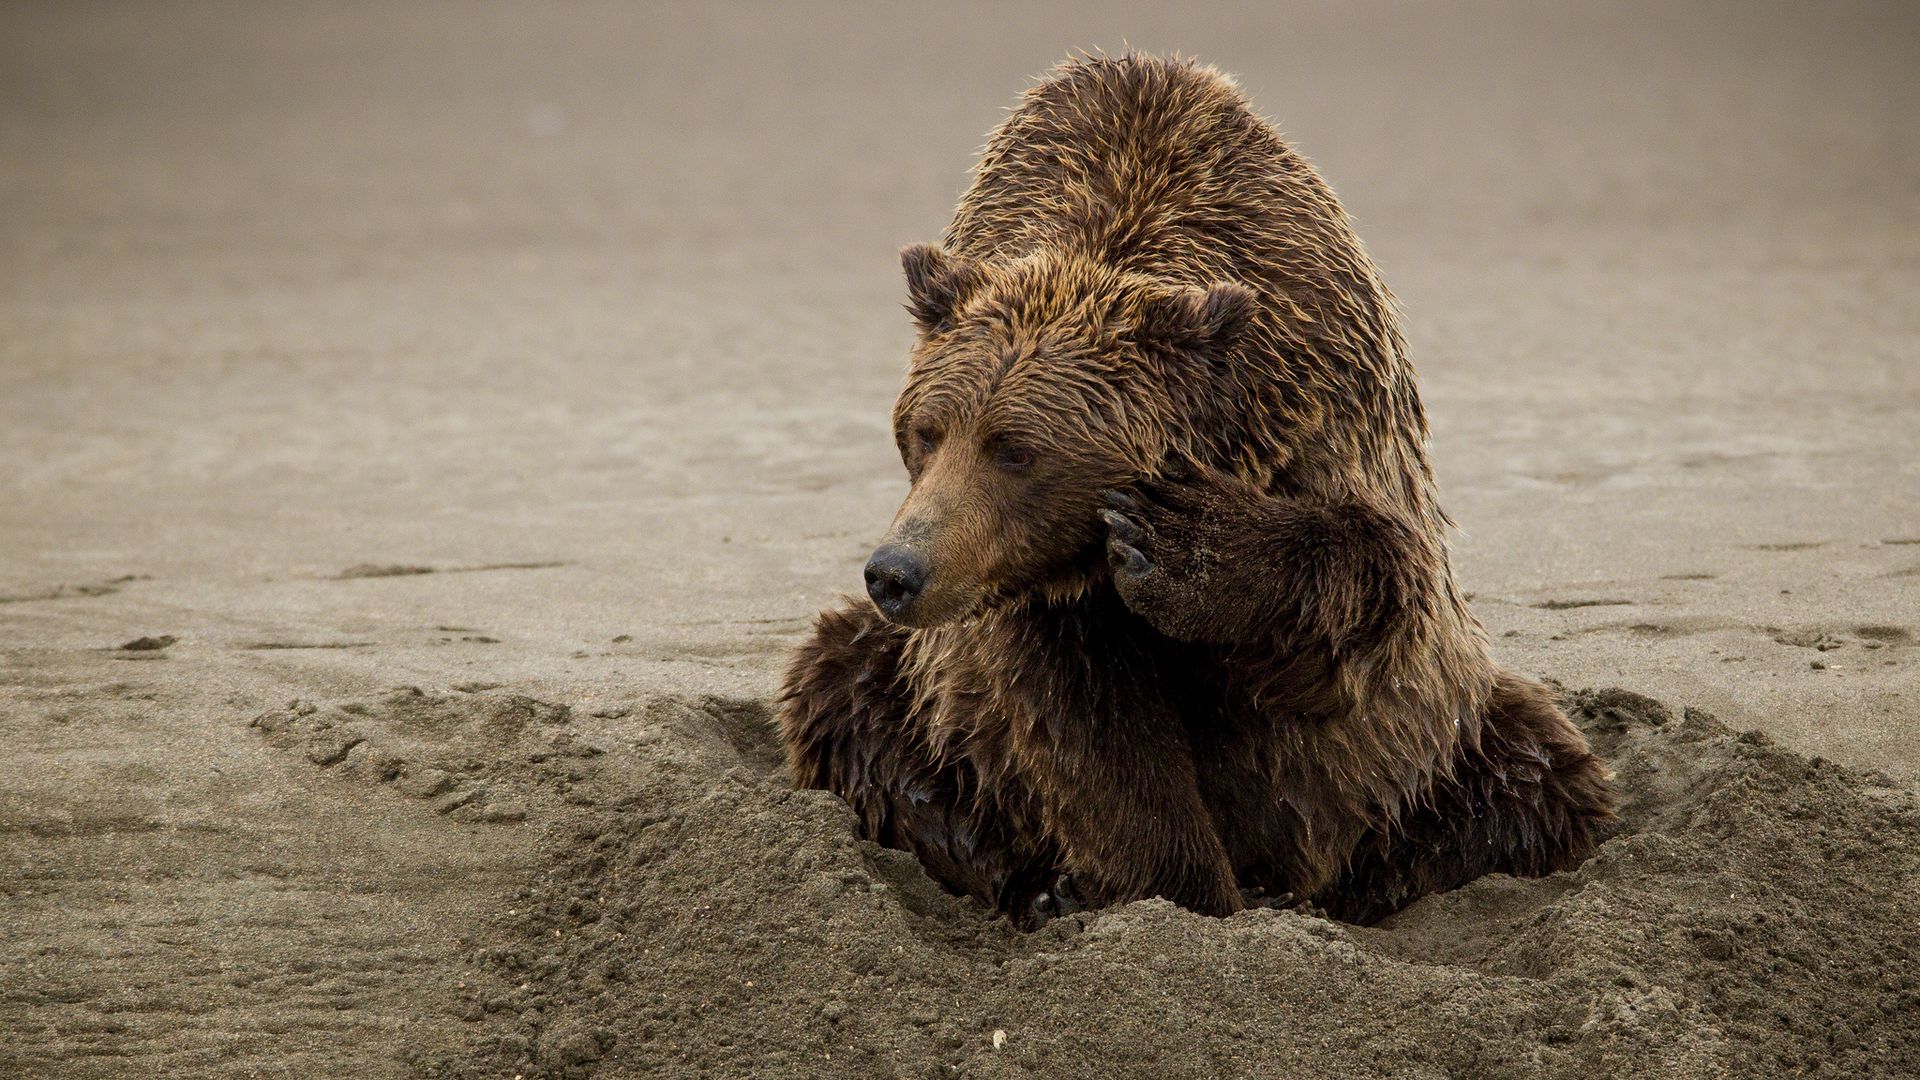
{"points": [[895, 577]]}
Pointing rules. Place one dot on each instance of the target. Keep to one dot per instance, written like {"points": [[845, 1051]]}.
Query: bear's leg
{"points": [[1529, 801], [1125, 804], [849, 729], [1095, 732]]}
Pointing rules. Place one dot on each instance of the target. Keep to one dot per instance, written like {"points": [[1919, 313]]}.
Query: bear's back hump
{"points": [[1157, 165]]}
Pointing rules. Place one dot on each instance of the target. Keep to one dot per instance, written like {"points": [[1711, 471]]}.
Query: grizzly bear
{"points": [[1167, 610]]}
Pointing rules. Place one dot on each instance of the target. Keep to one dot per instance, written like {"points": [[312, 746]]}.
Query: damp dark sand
{"points": [[1754, 915]]}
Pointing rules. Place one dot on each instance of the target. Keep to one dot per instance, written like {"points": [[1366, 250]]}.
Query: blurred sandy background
{"points": [[599, 306]]}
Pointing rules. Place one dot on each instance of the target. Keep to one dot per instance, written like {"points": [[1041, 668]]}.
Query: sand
{"points": [[507, 387]]}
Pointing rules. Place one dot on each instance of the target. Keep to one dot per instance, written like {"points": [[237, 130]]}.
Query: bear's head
{"points": [[1035, 384]]}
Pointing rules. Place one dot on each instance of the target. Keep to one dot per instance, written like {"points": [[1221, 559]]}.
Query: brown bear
{"points": [[1167, 609]]}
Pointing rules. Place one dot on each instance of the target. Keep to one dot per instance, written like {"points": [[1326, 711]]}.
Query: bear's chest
{"points": [[1021, 683]]}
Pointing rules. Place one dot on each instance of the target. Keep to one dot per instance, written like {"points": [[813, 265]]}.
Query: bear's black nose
{"points": [[895, 576]]}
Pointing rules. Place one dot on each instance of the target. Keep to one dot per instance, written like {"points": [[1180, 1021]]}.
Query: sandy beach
{"points": [[470, 407]]}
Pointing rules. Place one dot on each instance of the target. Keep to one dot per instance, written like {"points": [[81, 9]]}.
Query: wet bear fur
{"points": [[1170, 608]]}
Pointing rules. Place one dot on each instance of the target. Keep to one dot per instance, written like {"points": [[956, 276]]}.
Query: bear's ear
{"points": [[1191, 317], [937, 282]]}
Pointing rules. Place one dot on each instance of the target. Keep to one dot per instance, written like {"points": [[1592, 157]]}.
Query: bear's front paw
{"points": [[1160, 575]]}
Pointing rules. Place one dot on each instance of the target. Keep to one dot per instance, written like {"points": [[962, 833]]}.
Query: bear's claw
{"points": [[1127, 558], [1123, 537], [1120, 527]]}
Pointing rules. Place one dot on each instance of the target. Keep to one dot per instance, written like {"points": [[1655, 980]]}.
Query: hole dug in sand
{"points": [[1755, 914]]}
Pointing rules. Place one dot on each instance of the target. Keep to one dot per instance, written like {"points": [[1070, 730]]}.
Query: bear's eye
{"points": [[925, 438], [1013, 458]]}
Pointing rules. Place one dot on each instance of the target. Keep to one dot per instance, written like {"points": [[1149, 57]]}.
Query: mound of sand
{"points": [[1755, 914]]}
